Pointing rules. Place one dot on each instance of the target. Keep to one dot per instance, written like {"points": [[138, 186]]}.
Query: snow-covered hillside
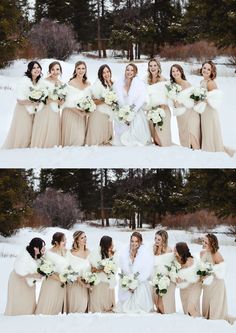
{"points": [[111, 157], [114, 323]]}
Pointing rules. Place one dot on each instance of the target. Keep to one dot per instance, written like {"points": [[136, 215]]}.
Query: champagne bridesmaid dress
{"points": [[47, 125]]}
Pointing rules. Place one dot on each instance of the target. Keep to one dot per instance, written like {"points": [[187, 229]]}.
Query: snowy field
{"points": [[86, 323], [115, 157]]}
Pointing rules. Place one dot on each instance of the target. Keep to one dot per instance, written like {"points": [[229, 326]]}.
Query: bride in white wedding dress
{"points": [[131, 91], [136, 259]]}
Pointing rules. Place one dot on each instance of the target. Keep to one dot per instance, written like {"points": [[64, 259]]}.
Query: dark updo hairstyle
{"points": [[29, 70], [213, 243], [39, 244], [54, 63], [183, 251], [213, 69], [77, 64], [105, 244], [100, 74], [76, 236], [57, 238], [180, 68]]}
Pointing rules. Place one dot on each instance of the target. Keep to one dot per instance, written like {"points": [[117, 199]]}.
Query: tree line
{"points": [[63, 197], [134, 26]]}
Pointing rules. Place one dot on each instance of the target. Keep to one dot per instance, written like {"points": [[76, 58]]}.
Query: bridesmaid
{"points": [[99, 124], [188, 280], [21, 298], [47, 126], [214, 301], [163, 256], [52, 296], [210, 123], [189, 122], [77, 293], [102, 297], [19, 135], [74, 119], [156, 90]]}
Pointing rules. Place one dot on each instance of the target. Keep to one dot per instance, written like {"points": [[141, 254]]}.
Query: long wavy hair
{"points": [[180, 68], [100, 74], [105, 244], [213, 69], [78, 63], [164, 236], [135, 68], [76, 236], [150, 76], [183, 251], [30, 66], [39, 244], [213, 242]]}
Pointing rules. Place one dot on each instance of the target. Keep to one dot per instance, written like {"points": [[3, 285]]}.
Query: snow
{"points": [[115, 157], [114, 323]]}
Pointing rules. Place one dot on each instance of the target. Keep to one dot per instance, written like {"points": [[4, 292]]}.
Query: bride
{"points": [[131, 91], [135, 260]]}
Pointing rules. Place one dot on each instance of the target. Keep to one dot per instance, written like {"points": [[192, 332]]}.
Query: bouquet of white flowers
{"points": [[110, 98], [39, 95], [173, 270], [199, 94], [108, 266], [172, 90], [156, 115], [125, 113], [205, 270], [58, 94], [161, 283], [129, 281], [90, 278], [86, 104], [69, 276], [46, 268]]}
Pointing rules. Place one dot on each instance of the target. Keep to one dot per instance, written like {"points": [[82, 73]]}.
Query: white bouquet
{"points": [[86, 104], [46, 268], [58, 94], [199, 94], [173, 89], [161, 283], [90, 278], [110, 98], [205, 270], [38, 95], [156, 115], [129, 281], [125, 113], [69, 276], [108, 266], [173, 270]]}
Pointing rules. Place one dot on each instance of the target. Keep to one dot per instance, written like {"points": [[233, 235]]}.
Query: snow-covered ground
{"points": [[86, 323], [115, 157]]}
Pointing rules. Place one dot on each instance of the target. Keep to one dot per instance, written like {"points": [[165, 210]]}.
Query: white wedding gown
{"points": [[137, 133], [139, 301]]}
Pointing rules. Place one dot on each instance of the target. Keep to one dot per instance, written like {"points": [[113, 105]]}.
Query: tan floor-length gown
{"points": [[74, 125], [189, 129], [190, 298], [162, 136], [21, 298], [102, 298], [168, 299]]}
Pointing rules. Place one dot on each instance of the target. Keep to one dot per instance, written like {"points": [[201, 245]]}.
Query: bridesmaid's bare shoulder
{"points": [[217, 257], [211, 85]]}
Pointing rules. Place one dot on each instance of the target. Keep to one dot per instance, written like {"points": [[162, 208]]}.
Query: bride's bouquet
{"points": [[156, 115], [205, 270], [126, 113], [90, 278], [38, 95], [69, 276], [129, 281], [86, 104], [108, 266], [161, 283], [58, 94], [199, 96], [173, 89], [110, 98], [173, 270], [46, 268]]}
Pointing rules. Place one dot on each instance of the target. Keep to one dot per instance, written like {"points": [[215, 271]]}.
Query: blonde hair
{"points": [[135, 68], [150, 76], [76, 236], [164, 236]]}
